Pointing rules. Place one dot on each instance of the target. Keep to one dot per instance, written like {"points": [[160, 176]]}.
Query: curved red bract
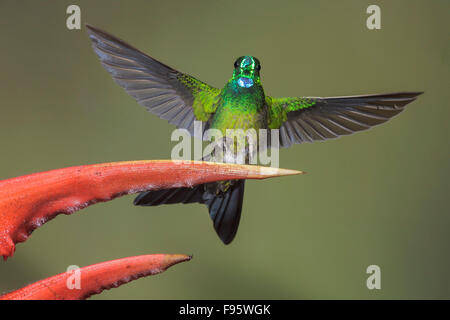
{"points": [[29, 201], [95, 278]]}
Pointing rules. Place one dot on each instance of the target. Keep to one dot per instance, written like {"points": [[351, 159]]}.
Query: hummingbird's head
{"points": [[246, 71]]}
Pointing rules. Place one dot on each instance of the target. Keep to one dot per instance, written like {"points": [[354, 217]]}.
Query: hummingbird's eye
{"points": [[258, 67], [236, 64]]}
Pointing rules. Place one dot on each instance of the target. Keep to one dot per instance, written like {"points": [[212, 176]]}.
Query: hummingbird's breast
{"points": [[240, 108]]}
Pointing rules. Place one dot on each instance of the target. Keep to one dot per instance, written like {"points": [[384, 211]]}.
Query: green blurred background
{"points": [[377, 197]]}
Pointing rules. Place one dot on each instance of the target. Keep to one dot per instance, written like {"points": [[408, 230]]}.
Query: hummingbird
{"points": [[242, 103]]}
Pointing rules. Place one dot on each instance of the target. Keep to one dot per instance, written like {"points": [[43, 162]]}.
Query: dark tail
{"points": [[224, 207]]}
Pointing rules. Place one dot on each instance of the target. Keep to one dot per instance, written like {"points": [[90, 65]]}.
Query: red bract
{"points": [[96, 278], [29, 201]]}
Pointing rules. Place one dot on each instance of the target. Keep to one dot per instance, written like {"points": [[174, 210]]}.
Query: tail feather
{"points": [[224, 207], [169, 196], [225, 211]]}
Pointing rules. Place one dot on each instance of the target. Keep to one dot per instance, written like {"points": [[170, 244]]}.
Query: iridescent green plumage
{"points": [[278, 109], [241, 107], [241, 104], [205, 96]]}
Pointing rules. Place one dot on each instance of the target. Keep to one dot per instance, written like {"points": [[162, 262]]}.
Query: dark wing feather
{"points": [[170, 94], [311, 119]]}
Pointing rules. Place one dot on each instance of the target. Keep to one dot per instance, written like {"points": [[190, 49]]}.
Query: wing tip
{"points": [[94, 32], [91, 29], [407, 94], [98, 35]]}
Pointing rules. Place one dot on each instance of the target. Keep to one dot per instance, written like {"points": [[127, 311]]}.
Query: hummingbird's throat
{"points": [[244, 82]]}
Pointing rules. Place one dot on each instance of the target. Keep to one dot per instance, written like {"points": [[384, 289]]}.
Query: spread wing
{"points": [[309, 119], [170, 94]]}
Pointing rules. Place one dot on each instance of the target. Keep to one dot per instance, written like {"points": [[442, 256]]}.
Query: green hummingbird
{"points": [[242, 103]]}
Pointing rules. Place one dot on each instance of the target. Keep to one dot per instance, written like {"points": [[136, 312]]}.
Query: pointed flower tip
{"points": [[247, 171], [98, 277], [173, 259], [278, 172]]}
